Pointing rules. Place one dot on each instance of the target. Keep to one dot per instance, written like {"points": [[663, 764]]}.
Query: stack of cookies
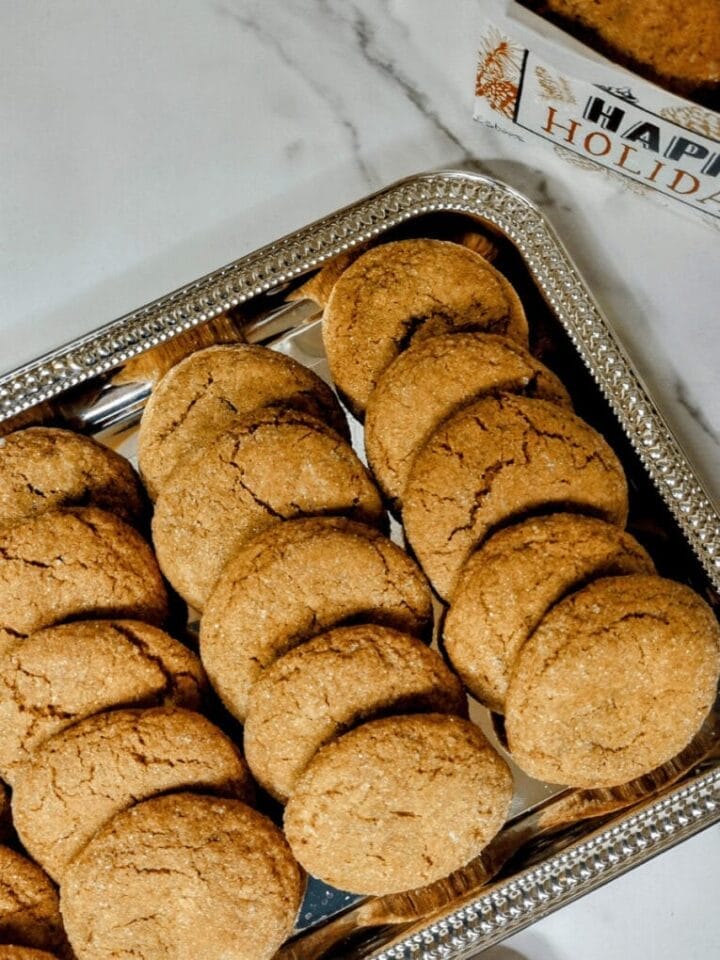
{"points": [[515, 509], [312, 622], [313, 637], [101, 732]]}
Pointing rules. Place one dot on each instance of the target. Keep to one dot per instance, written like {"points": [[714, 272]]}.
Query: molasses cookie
{"points": [[299, 579], [671, 42], [398, 803], [495, 460], [63, 674], [183, 877], [78, 780], [616, 680], [508, 585], [199, 398], [269, 466], [29, 909], [42, 468], [331, 683], [433, 379], [405, 291], [75, 564]]}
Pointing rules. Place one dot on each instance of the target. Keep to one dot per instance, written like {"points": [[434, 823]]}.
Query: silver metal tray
{"points": [[559, 843]]}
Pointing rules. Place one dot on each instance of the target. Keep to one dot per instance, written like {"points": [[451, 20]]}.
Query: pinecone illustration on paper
{"points": [[498, 72]]}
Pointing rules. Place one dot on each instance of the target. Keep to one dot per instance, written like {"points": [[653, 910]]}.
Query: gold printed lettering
{"points": [[626, 151], [606, 144], [551, 124], [680, 176]]}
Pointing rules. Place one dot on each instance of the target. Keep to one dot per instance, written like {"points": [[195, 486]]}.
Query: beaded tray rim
{"points": [[632, 838]]}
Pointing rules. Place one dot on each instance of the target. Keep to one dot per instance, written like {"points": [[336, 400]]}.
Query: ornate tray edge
{"points": [[634, 838], [581, 868], [453, 191]]}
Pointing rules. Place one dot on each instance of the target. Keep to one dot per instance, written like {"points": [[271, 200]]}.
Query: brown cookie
{"points": [[199, 398], [616, 680], [671, 42], [79, 779], [398, 803], [43, 468], [269, 466], [409, 290], [183, 877], [433, 379], [63, 674], [325, 686], [299, 579], [9, 952], [510, 583], [497, 459], [29, 909], [80, 563]]}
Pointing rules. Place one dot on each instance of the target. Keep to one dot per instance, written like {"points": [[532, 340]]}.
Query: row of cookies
{"points": [[266, 603], [334, 710], [468, 435], [107, 743], [81, 743]]}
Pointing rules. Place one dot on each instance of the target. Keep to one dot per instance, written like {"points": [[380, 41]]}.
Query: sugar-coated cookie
{"points": [[496, 460], [296, 580], [398, 803], [45, 468], [323, 687], [79, 779], [508, 585], [268, 466], [201, 396], [63, 674], [616, 680], [182, 877], [29, 909], [77, 563], [404, 291], [433, 379]]}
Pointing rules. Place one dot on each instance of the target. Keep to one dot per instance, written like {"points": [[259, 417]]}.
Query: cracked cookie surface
{"points": [[299, 579], [405, 291], [79, 779], [183, 877], [398, 803], [201, 396], [77, 563], [433, 379], [268, 466], [495, 460], [63, 674], [615, 681], [331, 683], [513, 579], [29, 909], [44, 468]]}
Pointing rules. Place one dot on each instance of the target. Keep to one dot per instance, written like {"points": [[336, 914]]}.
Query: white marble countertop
{"points": [[145, 144]]}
